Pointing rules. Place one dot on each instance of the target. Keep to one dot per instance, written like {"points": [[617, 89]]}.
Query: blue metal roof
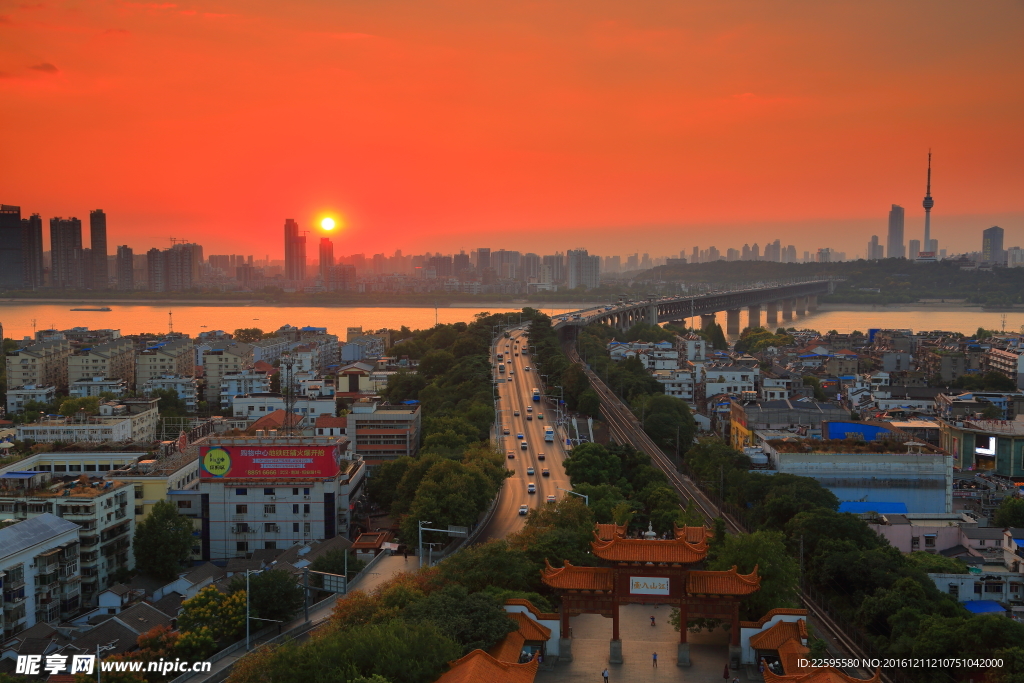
{"points": [[884, 508], [19, 475], [984, 606]]}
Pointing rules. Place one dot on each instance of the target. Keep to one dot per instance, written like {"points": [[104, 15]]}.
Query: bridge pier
{"points": [[732, 321], [801, 305], [707, 320], [754, 316], [787, 309], [812, 302], [772, 315]]}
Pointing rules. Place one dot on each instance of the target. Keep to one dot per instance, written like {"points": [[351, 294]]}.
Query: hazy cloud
{"points": [[116, 31], [45, 67]]}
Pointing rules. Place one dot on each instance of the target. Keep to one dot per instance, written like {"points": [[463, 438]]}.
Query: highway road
{"points": [[515, 392]]}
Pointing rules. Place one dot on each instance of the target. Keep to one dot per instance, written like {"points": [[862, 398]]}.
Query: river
{"points": [[19, 319]]}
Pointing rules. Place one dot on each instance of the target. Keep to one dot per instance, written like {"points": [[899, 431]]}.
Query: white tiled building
{"points": [[186, 386], [17, 397]]}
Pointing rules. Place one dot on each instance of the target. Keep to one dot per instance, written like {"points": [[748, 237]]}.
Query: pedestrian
{"points": [[605, 674], [405, 554], [725, 674], [652, 620], [654, 660], [761, 668]]}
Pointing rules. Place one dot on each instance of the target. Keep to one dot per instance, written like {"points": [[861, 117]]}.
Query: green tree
{"points": [[273, 595], [589, 403], [475, 620], [71, 406], [223, 616], [334, 562], [171, 405], [491, 564], [436, 363], [592, 463], [779, 572], [404, 385], [1010, 513], [815, 384], [667, 420], [163, 542]]}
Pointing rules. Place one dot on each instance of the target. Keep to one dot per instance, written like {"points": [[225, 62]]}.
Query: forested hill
{"points": [[897, 280]]}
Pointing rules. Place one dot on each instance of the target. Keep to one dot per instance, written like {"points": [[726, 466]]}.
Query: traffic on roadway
{"points": [[523, 427]]}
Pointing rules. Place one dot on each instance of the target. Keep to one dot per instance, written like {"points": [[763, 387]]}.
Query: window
{"points": [[268, 492], [295, 492], [305, 508], [241, 492], [90, 468], [268, 527], [295, 527], [138, 510], [1015, 588], [241, 546], [270, 509], [270, 545], [977, 588], [305, 527], [994, 587], [104, 468], [295, 509], [60, 468], [954, 590], [915, 542], [74, 468], [241, 509], [305, 492], [981, 542], [929, 541]]}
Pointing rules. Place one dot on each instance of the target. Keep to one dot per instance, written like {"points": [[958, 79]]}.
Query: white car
{"points": [[523, 509], [531, 488], [529, 470]]}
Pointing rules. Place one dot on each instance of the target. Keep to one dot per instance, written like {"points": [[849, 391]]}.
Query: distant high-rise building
{"points": [[460, 262], [483, 259], [583, 269], [125, 268], [66, 257], [745, 253], [875, 251], [612, 264], [12, 248], [556, 262], [992, 246], [32, 250], [732, 254], [294, 251], [824, 255], [894, 242], [326, 258], [530, 267], [914, 247], [928, 203], [170, 270], [98, 246], [713, 254], [645, 262]]}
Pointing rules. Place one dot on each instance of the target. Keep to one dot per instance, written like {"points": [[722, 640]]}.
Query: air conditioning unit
{"points": [[305, 514], [273, 498], [306, 497]]}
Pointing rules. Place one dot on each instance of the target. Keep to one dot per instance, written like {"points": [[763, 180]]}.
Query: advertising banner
{"points": [[648, 585], [267, 461]]}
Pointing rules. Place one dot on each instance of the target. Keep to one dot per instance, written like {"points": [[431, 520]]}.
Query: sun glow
{"points": [[327, 224]]}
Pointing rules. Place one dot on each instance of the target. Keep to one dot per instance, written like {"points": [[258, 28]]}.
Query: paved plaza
{"points": [[708, 651]]}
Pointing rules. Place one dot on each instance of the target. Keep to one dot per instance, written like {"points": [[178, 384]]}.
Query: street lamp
{"points": [[586, 498]]}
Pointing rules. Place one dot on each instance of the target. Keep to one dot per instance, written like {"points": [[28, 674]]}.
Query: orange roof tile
{"points": [[772, 638], [771, 614], [530, 629], [826, 675], [692, 534], [675, 551], [508, 648], [479, 666], [537, 614], [722, 583], [578, 578], [330, 421], [607, 532], [791, 652]]}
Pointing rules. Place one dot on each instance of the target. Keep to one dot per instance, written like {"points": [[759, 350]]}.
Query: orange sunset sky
{"points": [[614, 125]]}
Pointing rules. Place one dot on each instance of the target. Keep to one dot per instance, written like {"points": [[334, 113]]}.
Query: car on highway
{"points": [[523, 509], [515, 413], [529, 418], [511, 455], [505, 431], [529, 470], [544, 472], [531, 488], [551, 499], [526, 369], [515, 354], [540, 456], [540, 416], [520, 437], [522, 445], [529, 409]]}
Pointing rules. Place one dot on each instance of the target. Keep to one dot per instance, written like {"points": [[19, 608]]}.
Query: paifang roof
{"points": [[674, 551], [722, 582], [692, 534], [578, 578]]}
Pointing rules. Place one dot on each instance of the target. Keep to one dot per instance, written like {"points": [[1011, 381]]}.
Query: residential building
{"points": [[355, 379], [362, 348], [42, 363], [113, 359], [32, 250], [730, 379], [254, 406], [995, 446], [17, 397], [294, 252], [12, 255], [918, 475], [875, 251], [678, 383], [187, 388], [98, 506], [288, 491], [248, 381], [221, 359], [128, 420], [776, 387], [972, 404], [98, 250], [326, 425], [125, 268], [95, 386], [153, 478], [801, 417], [270, 349], [171, 357], [380, 433], [40, 573], [583, 269], [67, 259], [992, 246], [1007, 362], [894, 241], [174, 269]]}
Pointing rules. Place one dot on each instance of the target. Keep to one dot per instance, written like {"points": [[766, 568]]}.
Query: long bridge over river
{"points": [[785, 299]]}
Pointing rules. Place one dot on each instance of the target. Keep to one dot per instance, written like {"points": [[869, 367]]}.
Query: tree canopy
{"points": [[163, 542]]}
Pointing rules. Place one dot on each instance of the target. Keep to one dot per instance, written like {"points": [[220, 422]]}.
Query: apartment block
{"points": [[254, 406], [17, 397], [132, 420], [222, 359], [171, 357], [186, 386], [247, 381], [113, 359], [380, 433], [94, 386], [1009, 363], [39, 566], [42, 363]]}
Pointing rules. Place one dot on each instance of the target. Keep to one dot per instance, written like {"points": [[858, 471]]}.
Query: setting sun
{"points": [[327, 224]]}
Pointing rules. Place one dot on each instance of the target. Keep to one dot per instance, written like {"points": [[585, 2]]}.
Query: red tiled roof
{"points": [[275, 420], [530, 629], [326, 421], [826, 675], [537, 614], [692, 534], [578, 578], [607, 532], [478, 666], [372, 540], [264, 366], [675, 551], [772, 613], [773, 638], [508, 648], [722, 583]]}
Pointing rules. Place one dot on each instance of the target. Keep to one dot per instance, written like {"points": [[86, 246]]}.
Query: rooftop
{"points": [[32, 531], [674, 551], [849, 446]]}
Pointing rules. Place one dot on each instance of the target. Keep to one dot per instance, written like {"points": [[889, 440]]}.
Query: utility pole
{"points": [[801, 560]]}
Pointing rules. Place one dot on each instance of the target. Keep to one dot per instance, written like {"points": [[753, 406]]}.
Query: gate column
{"points": [[683, 651]]}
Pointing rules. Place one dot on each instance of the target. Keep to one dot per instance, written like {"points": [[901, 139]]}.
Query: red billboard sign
{"points": [[264, 461]]}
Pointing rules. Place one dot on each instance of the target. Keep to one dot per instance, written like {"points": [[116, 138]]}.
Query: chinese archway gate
{"points": [[651, 571]]}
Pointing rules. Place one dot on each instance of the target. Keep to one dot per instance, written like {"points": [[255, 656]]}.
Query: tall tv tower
{"points": [[928, 203]]}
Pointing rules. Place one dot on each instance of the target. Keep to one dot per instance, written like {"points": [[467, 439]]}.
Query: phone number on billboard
{"points": [[284, 473], [903, 663]]}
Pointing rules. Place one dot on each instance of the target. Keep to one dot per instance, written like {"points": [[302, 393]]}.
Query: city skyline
{"points": [[436, 126]]}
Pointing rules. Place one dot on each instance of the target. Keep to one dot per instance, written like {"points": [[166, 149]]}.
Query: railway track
{"points": [[626, 429]]}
